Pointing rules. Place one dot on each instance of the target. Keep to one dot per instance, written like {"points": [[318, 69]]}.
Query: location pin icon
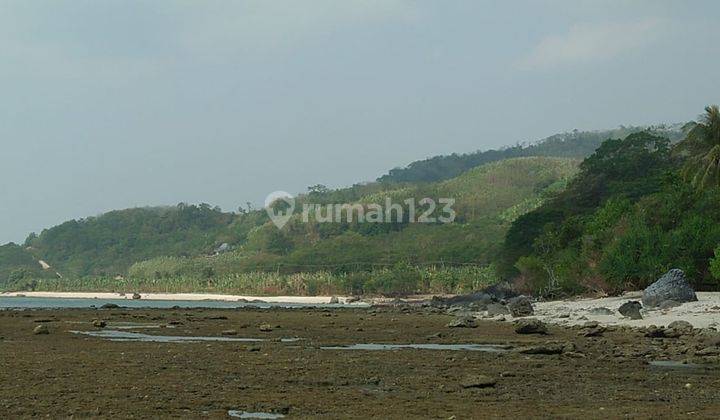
{"points": [[280, 206]]}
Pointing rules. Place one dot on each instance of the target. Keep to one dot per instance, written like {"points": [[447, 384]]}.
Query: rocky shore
{"points": [[436, 362]]}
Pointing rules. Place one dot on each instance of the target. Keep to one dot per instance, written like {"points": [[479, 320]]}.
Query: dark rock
{"points": [[477, 306], [592, 329], [500, 291], [229, 332], [495, 309], [549, 348], [683, 327], [520, 306], [709, 337], [98, 323], [654, 332], [266, 327], [708, 351], [673, 285], [43, 320], [478, 381], [41, 329], [631, 309], [463, 300], [334, 300], [530, 326], [109, 306], [136, 296], [669, 304], [352, 299], [600, 311], [462, 322]]}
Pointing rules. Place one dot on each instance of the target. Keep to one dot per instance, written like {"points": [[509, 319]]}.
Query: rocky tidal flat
{"points": [[299, 367]]}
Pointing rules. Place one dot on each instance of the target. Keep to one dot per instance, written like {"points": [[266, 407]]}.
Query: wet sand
{"points": [[65, 374]]}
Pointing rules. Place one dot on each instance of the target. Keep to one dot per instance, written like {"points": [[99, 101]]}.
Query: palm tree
{"points": [[702, 146]]}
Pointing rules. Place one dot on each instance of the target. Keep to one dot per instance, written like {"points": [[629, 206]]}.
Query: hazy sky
{"points": [[115, 104]]}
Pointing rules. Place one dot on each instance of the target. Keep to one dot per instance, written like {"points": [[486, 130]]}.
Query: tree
{"points": [[317, 189], [702, 145]]}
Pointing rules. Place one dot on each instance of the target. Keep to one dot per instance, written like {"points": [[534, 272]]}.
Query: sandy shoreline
{"points": [[177, 296], [705, 313]]}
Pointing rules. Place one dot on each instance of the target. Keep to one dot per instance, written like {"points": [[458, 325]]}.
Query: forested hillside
{"points": [[172, 248], [575, 144], [17, 264], [639, 203], [638, 207], [110, 243]]}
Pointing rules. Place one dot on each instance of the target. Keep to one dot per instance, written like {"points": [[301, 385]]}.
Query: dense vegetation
{"points": [[388, 256], [638, 207], [174, 246], [18, 265], [640, 202], [575, 144], [110, 243], [397, 280]]}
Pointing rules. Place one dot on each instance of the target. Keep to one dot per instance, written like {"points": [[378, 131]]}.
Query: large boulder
{"points": [[472, 299], [520, 306], [530, 326], [496, 309], [631, 309], [500, 291], [673, 285]]}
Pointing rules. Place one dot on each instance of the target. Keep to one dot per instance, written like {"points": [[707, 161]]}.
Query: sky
{"points": [[115, 104]]}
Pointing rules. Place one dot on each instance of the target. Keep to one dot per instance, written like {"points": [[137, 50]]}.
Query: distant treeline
{"points": [[575, 144]]}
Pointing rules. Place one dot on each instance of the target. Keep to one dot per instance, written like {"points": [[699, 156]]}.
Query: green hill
{"points": [[632, 213], [575, 144], [172, 248], [19, 265], [108, 244], [488, 199]]}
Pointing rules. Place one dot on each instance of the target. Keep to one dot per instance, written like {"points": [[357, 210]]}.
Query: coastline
{"points": [[704, 313], [180, 297]]}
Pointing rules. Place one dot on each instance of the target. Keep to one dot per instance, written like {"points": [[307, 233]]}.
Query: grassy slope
{"points": [[169, 246], [488, 199]]}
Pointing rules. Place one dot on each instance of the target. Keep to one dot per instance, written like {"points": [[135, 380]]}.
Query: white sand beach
{"points": [[705, 313], [179, 296]]}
